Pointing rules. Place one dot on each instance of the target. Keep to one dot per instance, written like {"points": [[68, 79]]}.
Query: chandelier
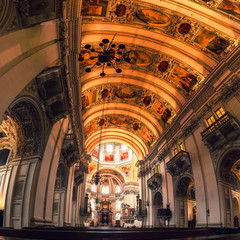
{"points": [[97, 178], [109, 55]]}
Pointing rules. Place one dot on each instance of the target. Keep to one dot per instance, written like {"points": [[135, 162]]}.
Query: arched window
{"points": [[118, 189], [118, 216], [118, 205], [105, 189], [4, 153]]}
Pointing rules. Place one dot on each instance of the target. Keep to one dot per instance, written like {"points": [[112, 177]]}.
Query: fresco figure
{"points": [[120, 10], [232, 8], [153, 17], [94, 7]]}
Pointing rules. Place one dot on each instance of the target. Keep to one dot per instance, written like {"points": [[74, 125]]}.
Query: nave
{"points": [[122, 114]]}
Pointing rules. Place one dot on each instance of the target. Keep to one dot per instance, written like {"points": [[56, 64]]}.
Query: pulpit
{"points": [[105, 214]]}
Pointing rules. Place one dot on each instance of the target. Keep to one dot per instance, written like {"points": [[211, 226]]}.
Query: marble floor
{"points": [[223, 237]]}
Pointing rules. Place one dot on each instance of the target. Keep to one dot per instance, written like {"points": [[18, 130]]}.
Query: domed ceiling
{"points": [[171, 49]]}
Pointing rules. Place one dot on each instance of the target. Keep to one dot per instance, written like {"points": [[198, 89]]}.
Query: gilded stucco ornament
{"points": [[130, 94], [146, 60], [9, 136], [182, 28], [226, 7], [121, 121], [24, 8], [121, 11]]}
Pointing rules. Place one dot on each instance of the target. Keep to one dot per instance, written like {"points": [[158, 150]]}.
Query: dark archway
{"points": [[185, 202], [227, 173], [157, 204], [4, 154]]}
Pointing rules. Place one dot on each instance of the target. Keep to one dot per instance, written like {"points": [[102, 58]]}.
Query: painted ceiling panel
{"points": [[171, 47], [172, 95], [130, 94], [127, 110]]}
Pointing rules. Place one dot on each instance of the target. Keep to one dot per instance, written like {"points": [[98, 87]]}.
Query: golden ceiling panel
{"points": [[231, 8], [166, 22], [146, 60], [134, 126], [171, 47], [130, 94]]}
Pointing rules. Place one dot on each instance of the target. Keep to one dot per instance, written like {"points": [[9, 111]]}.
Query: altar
{"points": [[105, 214]]}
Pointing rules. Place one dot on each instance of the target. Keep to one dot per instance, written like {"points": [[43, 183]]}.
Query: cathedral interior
{"points": [[119, 113]]}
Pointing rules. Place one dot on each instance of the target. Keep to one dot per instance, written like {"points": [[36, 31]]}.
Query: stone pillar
{"points": [[69, 201], [21, 192], [45, 185]]}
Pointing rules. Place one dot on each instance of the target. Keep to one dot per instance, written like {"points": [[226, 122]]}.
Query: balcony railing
{"points": [[225, 129], [179, 163], [217, 124], [155, 181]]}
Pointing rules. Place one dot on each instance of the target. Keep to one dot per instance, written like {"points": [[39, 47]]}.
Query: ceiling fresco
{"points": [[229, 7], [167, 22], [134, 126], [170, 50], [146, 60], [129, 94]]}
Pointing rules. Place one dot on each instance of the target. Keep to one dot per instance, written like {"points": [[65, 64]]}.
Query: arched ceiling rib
{"points": [[201, 12], [125, 110], [191, 37], [132, 35], [154, 84], [121, 135]]}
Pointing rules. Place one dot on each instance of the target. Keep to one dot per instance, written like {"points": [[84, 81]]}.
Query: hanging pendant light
{"points": [[109, 55]]}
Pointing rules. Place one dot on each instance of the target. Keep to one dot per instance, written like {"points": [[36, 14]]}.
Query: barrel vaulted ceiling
{"points": [[172, 46]]}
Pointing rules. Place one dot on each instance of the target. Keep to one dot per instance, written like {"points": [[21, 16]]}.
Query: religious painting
{"points": [[163, 66], [166, 115], [125, 169], [137, 57], [95, 153], [119, 121], [89, 99], [92, 166], [94, 8], [135, 126], [87, 54], [147, 100], [91, 127], [109, 157], [184, 28], [124, 156], [211, 41], [230, 7], [126, 93], [153, 17], [120, 10], [147, 136], [184, 78], [158, 108], [105, 93], [101, 122]]}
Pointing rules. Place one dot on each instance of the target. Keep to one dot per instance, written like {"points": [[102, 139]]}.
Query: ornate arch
{"points": [[182, 184], [226, 162], [29, 116]]}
